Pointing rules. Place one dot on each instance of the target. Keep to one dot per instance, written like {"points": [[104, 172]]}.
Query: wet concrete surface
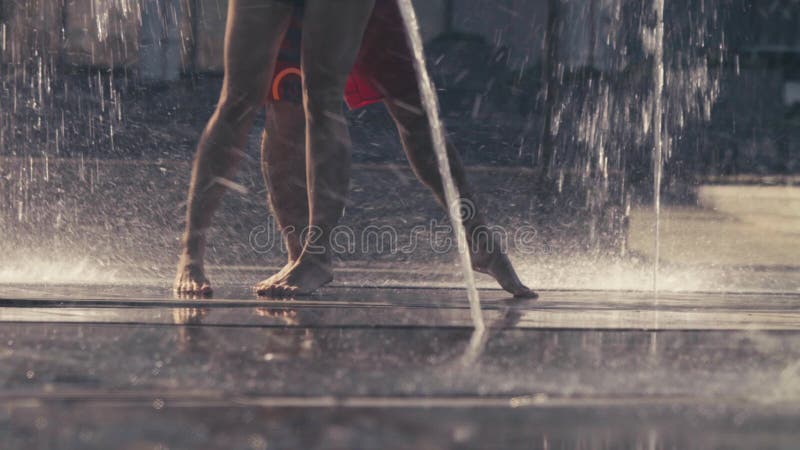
{"points": [[109, 367]]}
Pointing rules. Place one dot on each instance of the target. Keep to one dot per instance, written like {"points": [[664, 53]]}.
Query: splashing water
{"points": [[651, 63], [58, 99], [431, 104], [39, 270]]}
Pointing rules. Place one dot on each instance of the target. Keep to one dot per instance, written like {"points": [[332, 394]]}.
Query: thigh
{"points": [[253, 34], [332, 34], [386, 58]]}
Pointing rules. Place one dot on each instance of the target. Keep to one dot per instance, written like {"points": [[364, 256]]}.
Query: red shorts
{"points": [[384, 66]]}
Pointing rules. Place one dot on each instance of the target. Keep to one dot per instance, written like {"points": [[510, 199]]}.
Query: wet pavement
{"points": [[117, 367]]}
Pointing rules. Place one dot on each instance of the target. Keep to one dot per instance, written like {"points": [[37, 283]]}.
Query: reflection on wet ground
{"points": [[404, 307], [98, 367]]}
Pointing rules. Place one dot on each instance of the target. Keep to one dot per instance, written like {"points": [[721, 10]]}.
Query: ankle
{"points": [[190, 260], [294, 253], [317, 256], [193, 251]]}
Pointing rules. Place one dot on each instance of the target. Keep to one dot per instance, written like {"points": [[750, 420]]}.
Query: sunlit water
{"points": [[645, 89], [452, 196], [44, 112], [658, 137], [52, 271]]}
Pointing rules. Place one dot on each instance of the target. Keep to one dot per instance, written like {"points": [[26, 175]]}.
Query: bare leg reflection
{"points": [[189, 333], [285, 344], [287, 316]]}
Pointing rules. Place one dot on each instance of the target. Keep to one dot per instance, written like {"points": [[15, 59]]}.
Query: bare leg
{"points": [[283, 164], [487, 255], [252, 39], [332, 34]]}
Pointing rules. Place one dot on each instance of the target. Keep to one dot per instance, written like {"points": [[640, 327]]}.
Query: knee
{"points": [[322, 104], [415, 133], [238, 108], [410, 120], [323, 93]]}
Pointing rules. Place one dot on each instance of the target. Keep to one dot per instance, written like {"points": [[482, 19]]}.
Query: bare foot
{"points": [[278, 274], [303, 277], [191, 280], [496, 264]]}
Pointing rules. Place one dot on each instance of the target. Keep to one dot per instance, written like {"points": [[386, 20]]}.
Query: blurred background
{"points": [[553, 105]]}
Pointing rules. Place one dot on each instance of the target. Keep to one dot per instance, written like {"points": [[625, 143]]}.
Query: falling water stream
{"points": [[658, 133], [658, 155], [431, 104]]}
